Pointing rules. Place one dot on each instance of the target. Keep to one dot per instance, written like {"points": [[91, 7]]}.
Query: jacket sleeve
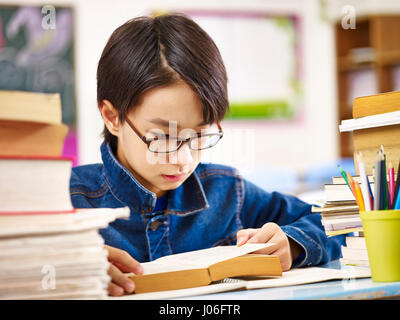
{"points": [[295, 219]]}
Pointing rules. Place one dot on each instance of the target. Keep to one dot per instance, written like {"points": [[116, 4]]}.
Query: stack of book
{"points": [[340, 215], [48, 249], [355, 252], [55, 256], [339, 210]]}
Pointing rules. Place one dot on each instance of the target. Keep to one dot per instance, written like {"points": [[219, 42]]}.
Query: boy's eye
{"points": [[151, 135], [155, 134]]}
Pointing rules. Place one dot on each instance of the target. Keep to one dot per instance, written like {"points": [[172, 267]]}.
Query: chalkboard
{"points": [[36, 56]]}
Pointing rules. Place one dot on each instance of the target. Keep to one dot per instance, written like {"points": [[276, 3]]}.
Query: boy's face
{"points": [[175, 110]]}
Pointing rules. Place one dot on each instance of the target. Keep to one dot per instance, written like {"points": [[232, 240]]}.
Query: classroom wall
{"points": [[312, 138], [295, 145]]}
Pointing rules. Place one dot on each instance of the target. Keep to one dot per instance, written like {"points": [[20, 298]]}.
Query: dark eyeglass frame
{"points": [[181, 141]]}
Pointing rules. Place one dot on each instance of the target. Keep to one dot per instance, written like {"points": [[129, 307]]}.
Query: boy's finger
{"points": [[114, 290], [264, 234], [243, 235], [120, 279], [128, 269], [284, 258], [274, 248], [124, 261], [268, 250]]}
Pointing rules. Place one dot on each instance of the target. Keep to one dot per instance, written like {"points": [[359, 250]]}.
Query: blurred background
{"points": [[294, 68]]}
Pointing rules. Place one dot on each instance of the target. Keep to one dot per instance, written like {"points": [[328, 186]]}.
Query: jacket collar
{"points": [[187, 198]]}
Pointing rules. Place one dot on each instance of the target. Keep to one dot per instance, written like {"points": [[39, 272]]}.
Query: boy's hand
{"points": [[286, 249], [120, 262]]}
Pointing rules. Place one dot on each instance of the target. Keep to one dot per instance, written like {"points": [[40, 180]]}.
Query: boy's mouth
{"points": [[173, 178]]}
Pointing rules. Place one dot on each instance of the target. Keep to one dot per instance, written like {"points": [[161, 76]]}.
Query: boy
{"points": [[162, 92]]}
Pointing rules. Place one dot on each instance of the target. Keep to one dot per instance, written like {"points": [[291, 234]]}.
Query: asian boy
{"points": [[162, 93]]}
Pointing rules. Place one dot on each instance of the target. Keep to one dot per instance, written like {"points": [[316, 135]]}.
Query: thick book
{"points": [[340, 180], [295, 276], [336, 210], [340, 192], [64, 258], [354, 254], [354, 262], [38, 224], [202, 267], [21, 138], [30, 106], [376, 104], [35, 184], [331, 233], [353, 221], [356, 242], [368, 140]]}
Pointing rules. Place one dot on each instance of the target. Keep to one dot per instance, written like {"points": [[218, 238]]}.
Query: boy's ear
{"points": [[110, 116]]}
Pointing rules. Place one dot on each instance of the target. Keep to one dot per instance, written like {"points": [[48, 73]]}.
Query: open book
{"points": [[296, 276], [201, 267]]}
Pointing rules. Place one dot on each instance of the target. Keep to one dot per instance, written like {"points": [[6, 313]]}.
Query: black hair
{"points": [[149, 52]]}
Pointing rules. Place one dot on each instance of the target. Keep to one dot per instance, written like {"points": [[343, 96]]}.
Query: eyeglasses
{"points": [[163, 143]]}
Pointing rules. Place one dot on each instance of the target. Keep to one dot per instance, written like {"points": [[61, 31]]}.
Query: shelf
{"points": [[345, 63], [346, 114], [373, 45], [389, 58]]}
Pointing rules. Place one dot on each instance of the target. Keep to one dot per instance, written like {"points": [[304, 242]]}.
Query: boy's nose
{"points": [[185, 156]]}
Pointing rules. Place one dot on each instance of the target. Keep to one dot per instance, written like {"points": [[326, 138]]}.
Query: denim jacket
{"points": [[206, 210]]}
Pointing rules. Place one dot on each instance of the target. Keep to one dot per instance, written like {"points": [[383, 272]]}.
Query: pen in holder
{"points": [[380, 215], [382, 236]]}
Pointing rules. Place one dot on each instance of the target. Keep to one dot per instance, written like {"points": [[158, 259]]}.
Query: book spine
{"points": [[22, 157], [24, 213], [376, 104]]}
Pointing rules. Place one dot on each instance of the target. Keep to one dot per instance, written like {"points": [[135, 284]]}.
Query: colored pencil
{"points": [[397, 204], [361, 203], [391, 186], [365, 187], [384, 186], [357, 192], [396, 189], [377, 181], [345, 178], [353, 189]]}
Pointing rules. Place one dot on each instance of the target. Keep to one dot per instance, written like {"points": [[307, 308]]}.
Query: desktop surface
{"points": [[358, 289]]}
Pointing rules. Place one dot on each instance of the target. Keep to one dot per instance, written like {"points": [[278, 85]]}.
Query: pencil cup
{"points": [[382, 236]]}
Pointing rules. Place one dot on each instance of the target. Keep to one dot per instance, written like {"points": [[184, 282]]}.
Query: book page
{"points": [[179, 293], [298, 276], [82, 219], [156, 266], [199, 258]]}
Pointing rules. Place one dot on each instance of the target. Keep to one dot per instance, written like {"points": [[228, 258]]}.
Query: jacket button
{"points": [[154, 225]]}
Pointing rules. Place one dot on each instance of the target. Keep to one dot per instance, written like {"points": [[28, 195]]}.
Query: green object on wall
{"points": [[265, 110]]}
